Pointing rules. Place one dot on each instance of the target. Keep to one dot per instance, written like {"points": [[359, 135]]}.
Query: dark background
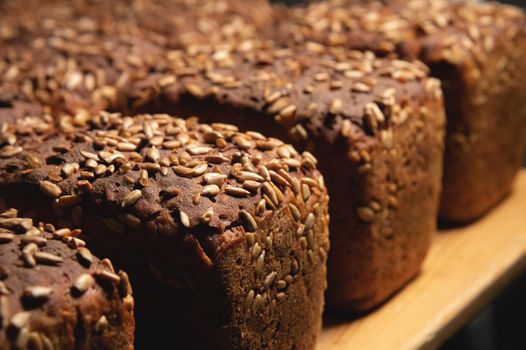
{"points": [[502, 325]]}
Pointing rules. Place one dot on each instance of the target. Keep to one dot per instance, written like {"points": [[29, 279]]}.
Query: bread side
{"points": [[376, 126], [199, 215], [54, 294]]}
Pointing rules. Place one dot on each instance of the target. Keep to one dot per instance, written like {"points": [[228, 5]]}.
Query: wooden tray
{"points": [[466, 268]]}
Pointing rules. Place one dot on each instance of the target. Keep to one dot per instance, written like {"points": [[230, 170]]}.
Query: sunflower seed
{"points": [[19, 320], [126, 147], [131, 198], [26, 239], [269, 191], [305, 192], [249, 236], [37, 292], [269, 279], [249, 299], [256, 249], [309, 221], [183, 171], [260, 261], [84, 256], [33, 161], [249, 176], [215, 179], [68, 200], [6, 237], [365, 213], [199, 150], [276, 178], [101, 324], [236, 191], [89, 155], [153, 154], [207, 216], [281, 284], [84, 282], [47, 258], [200, 169], [184, 219], [10, 151], [50, 189], [130, 220], [336, 106], [256, 304], [295, 212], [210, 190], [252, 186], [248, 220], [107, 276]]}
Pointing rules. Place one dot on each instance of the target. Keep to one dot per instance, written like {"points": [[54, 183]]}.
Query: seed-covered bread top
{"points": [[73, 55], [72, 65], [49, 281], [310, 90], [155, 173], [191, 23], [428, 29]]}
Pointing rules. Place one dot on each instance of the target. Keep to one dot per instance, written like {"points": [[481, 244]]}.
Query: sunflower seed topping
{"points": [[83, 283], [84, 256], [107, 276], [37, 292], [210, 190], [47, 258], [184, 219], [6, 237], [50, 189], [248, 220], [131, 198], [236, 191]]}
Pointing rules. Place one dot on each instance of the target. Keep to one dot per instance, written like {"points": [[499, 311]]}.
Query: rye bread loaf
{"points": [[375, 125], [54, 294], [87, 70], [77, 56], [171, 23], [477, 50], [224, 234]]}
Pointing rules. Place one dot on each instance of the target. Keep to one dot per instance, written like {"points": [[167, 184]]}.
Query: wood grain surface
{"points": [[465, 269]]}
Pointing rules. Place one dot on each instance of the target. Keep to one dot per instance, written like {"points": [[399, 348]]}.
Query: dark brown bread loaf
{"points": [[375, 125], [225, 234], [73, 56], [54, 294], [478, 51], [87, 69], [171, 23]]}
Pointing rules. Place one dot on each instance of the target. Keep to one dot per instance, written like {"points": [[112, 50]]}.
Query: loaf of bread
{"points": [[376, 127], [87, 70], [170, 23], [477, 50], [54, 294], [224, 234]]}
